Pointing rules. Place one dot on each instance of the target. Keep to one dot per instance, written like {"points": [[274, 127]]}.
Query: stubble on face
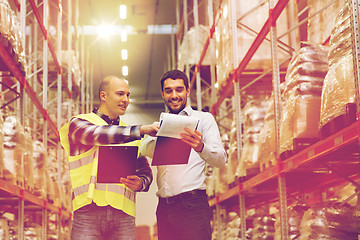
{"points": [[175, 95]]}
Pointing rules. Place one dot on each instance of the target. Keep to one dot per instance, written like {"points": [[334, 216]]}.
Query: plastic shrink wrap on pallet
{"points": [[10, 30], [233, 226], [331, 220], [40, 169], [191, 46], [232, 162], [14, 147], [29, 161], [263, 227], [4, 229], [267, 135], [339, 85], [323, 13], [2, 162], [254, 115], [5, 17], [295, 214], [302, 96], [251, 16]]}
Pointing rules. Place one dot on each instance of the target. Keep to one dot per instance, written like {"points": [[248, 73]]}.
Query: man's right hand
{"points": [[150, 129]]}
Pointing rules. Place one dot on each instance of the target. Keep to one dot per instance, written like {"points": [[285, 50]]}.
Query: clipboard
{"points": [[116, 162], [170, 151]]}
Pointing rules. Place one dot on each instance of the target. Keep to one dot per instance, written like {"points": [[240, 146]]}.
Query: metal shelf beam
{"points": [[229, 85]]}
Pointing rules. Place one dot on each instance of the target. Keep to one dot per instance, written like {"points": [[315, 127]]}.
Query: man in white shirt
{"points": [[183, 211]]}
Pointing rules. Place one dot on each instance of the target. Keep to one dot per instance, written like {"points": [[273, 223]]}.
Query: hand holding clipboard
{"points": [[169, 148]]}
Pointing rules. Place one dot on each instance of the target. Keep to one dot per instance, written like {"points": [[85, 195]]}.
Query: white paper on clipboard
{"points": [[171, 125]]}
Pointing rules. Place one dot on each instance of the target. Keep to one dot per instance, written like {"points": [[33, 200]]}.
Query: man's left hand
{"points": [[193, 138], [133, 182]]}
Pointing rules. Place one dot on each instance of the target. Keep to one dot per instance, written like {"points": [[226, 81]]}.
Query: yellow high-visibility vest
{"points": [[83, 174]]}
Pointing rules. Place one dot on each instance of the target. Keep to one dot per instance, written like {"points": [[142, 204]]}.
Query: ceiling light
{"points": [[105, 31], [216, 85], [124, 54], [125, 70], [122, 11], [123, 35]]}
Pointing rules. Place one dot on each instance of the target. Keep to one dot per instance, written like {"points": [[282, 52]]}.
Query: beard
{"points": [[177, 109]]}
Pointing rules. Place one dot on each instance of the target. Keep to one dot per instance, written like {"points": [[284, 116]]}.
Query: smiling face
{"points": [[114, 98], [175, 94]]}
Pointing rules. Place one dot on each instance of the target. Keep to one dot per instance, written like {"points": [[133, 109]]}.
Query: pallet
{"points": [[234, 184], [19, 181], [9, 48], [267, 164], [299, 144], [339, 122], [249, 174], [29, 187], [39, 192]]}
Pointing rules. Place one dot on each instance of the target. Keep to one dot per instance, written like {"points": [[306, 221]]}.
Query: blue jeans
{"points": [[106, 223], [184, 217]]}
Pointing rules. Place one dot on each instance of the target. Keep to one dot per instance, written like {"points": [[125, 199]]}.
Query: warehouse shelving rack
{"points": [[329, 162], [205, 86], [34, 106]]}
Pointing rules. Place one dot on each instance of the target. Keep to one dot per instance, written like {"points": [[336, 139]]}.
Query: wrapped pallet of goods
{"points": [[338, 95], [52, 181], [299, 125], [295, 214], [320, 25], [40, 169], [220, 178], [330, 220], [65, 186], [254, 115], [29, 161], [191, 46], [232, 162], [10, 33], [264, 227], [210, 180], [32, 231], [14, 148], [2, 162], [251, 17], [4, 229], [5, 19], [267, 135]]}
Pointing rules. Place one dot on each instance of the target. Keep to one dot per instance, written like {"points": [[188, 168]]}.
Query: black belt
{"points": [[184, 195]]}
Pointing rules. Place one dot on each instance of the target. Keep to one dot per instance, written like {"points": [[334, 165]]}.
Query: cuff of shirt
{"points": [[136, 132], [143, 185], [205, 153]]}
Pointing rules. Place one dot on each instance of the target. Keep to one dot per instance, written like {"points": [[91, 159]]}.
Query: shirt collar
{"points": [[186, 111], [106, 118]]}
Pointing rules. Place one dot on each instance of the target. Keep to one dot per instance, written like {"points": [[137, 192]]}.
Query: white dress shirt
{"points": [[176, 179]]}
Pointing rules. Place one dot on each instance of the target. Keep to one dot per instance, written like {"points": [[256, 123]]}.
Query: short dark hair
{"points": [[175, 74]]}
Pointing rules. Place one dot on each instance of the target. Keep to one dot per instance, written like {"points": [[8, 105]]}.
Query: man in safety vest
{"points": [[101, 210]]}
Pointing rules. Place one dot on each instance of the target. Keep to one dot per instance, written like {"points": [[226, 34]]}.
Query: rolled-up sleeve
{"points": [[213, 152], [144, 172]]}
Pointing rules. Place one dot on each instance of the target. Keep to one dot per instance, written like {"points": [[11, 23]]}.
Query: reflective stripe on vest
{"points": [[81, 162], [102, 187]]}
